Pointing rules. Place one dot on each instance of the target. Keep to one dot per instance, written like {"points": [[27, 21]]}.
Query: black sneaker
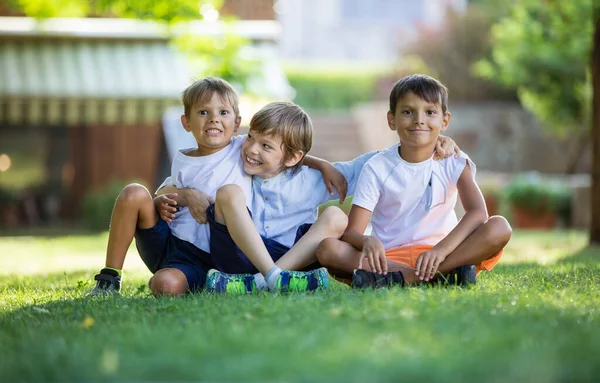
{"points": [[109, 282], [461, 276], [362, 279]]}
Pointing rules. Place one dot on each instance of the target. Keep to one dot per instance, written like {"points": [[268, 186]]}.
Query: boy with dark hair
{"points": [[410, 199]]}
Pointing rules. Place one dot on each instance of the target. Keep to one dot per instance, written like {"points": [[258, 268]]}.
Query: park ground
{"points": [[534, 318]]}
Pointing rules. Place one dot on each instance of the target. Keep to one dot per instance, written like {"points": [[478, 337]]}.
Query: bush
{"points": [[331, 90], [537, 197], [98, 205]]}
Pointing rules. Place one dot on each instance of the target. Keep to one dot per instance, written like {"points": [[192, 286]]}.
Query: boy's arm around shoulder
{"points": [[333, 178], [351, 169]]}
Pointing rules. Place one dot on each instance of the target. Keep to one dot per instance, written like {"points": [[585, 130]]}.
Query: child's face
{"points": [[418, 122], [263, 155], [213, 123]]}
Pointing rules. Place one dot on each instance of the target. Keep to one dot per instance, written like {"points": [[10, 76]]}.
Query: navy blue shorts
{"points": [[227, 257], [160, 249]]}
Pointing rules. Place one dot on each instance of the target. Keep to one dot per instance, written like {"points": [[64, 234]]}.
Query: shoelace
{"points": [[298, 283], [236, 287]]}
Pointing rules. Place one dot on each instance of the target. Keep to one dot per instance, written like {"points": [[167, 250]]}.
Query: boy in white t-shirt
{"points": [[410, 201]]}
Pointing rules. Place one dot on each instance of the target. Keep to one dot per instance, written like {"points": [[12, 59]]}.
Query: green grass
{"points": [[534, 318]]}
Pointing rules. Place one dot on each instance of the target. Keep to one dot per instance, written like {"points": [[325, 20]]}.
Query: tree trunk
{"points": [[595, 225]]}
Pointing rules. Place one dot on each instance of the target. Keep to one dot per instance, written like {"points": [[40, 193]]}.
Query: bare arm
{"points": [[333, 178], [195, 200], [475, 215], [370, 246], [475, 212]]}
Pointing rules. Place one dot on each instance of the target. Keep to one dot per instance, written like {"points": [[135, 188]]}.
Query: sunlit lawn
{"points": [[534, 318]]}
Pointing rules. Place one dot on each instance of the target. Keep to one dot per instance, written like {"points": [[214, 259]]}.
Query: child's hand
{"points": [[374, 251], [165, 206], [428, 263], [197, 202], [445, 147], [334, 179]]}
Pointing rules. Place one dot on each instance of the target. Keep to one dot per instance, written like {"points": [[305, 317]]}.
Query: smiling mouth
{"points": [[213, 131], [252, 162]]}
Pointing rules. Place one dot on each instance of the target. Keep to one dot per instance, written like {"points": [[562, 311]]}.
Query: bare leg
{"points": [[230, 210], [341, 259], [134, 208], [331, 224], [487, 240], [170, 282]]}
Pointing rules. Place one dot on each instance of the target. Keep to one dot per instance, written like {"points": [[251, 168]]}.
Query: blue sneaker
{"points": [[301, 281], [236, 284]]}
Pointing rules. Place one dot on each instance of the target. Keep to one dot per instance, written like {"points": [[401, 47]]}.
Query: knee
{"points": [[165, 282], [335, 219], [499, 230], [134, 193], [228, 194], [327, 251]]}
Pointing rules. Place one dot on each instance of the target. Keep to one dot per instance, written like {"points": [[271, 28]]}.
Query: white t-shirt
{"points": [[207, 174], [412, 203]]}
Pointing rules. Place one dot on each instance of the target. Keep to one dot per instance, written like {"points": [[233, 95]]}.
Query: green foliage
{"points": [[543, 49], [450, 53], [219, 56], [49, 330], [328, 89], [537, 196], [98, 205]]}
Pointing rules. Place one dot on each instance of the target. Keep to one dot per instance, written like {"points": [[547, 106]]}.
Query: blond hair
{"points": [[203, 89], [288, 121]]}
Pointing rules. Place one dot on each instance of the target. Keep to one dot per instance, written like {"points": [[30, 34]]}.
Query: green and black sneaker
{"points": [[236, 284], [301, 281]]}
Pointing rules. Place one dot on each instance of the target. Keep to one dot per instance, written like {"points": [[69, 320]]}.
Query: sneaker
{"points": [[301, 281], [236, 284], [362, 279], [461, 276], [108, 282]]}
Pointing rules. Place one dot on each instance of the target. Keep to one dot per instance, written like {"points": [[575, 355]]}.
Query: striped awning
{"points": [[77, 81]]}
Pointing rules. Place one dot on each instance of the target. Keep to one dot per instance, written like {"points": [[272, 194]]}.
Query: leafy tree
{"points": [[543, 48]]}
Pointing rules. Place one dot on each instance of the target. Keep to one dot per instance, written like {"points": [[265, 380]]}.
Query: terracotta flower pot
{"points": [[527, 220]]}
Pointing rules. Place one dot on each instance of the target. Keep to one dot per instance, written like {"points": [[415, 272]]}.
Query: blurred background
{"points": [[89, 92]]}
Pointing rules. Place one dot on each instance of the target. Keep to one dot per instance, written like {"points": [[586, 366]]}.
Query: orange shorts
{"points": [[407, 255]]}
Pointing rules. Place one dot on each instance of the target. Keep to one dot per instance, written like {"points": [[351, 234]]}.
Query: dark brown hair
{"points": [[425, 87]]}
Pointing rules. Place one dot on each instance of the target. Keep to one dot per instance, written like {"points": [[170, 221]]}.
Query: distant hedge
{"points": [[331, 90]]}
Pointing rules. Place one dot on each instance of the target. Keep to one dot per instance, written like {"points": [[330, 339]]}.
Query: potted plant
{"points": [[491, 194], [534, 203]]}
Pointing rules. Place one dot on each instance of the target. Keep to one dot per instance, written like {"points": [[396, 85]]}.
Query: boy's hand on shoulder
{"points": [[428, 263], [198, 202], [445, 147], [374, 252], [334, 179], [166, 206]]}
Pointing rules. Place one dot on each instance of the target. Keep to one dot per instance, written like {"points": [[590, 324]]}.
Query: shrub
{"points": [[98, 204], [331, 90], [536, 196]]}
